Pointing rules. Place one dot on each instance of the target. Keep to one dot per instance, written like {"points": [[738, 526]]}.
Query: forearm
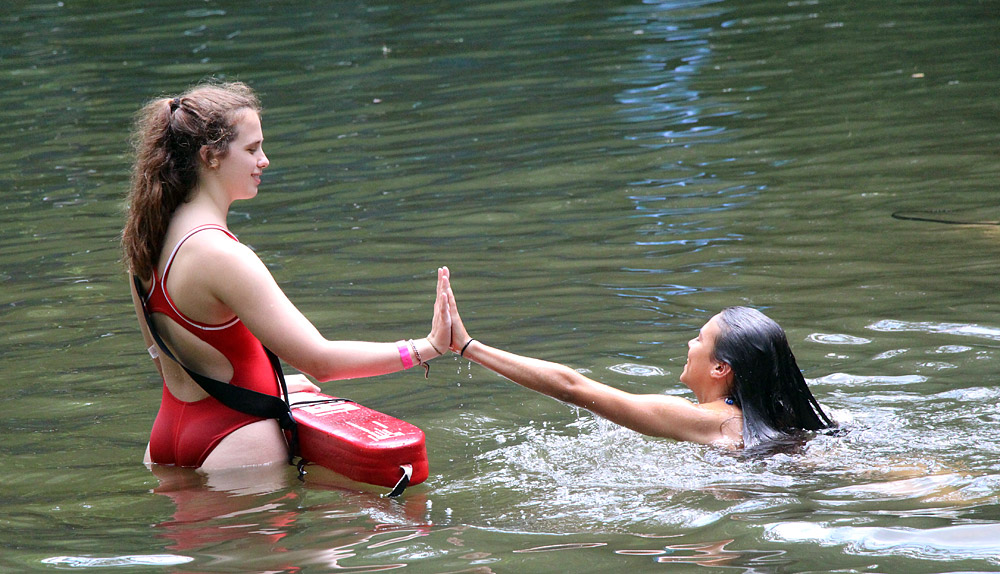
{"points": [[552, 379], [339, 360], [655, 415]]}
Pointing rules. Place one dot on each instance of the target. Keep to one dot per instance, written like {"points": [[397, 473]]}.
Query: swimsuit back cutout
{"points": [[251, 367]]}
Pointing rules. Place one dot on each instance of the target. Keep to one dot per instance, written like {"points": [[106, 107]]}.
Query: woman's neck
{"points": [[706, 396], [202, 209]]}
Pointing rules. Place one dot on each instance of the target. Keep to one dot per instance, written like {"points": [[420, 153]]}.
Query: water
{"points": [[601, 177]]}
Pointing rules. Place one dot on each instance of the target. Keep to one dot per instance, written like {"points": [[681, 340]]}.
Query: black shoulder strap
{"points": [[239, 399]]}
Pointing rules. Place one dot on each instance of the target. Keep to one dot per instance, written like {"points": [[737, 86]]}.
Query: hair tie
{"points": [[174, 104]]}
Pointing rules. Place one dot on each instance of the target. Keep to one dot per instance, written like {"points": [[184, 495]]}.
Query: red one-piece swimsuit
{"points": [[184, 433]]}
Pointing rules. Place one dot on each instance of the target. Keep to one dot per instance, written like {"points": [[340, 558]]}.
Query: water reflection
{"points": [[564, 546], [714, 554], [117, 561], [234, 512], [234, 506]]}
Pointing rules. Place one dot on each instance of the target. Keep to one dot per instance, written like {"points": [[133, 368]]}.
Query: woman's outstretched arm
{"points": [[654, 415], [240, 283]]}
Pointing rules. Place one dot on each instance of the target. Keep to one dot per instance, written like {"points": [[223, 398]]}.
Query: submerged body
{"points": [[744, 378]]}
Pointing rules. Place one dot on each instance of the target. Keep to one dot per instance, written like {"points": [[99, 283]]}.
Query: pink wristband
{"points": [[404, 354]]}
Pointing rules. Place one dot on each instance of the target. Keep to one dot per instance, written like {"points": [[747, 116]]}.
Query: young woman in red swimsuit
{"points": [[211, 298]]}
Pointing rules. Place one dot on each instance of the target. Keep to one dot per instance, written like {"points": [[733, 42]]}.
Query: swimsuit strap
{"points": [[166, 272], [170, 260]]}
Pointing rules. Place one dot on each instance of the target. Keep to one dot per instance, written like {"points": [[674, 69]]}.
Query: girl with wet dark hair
{"points": [[748, 387], [767, 384]]}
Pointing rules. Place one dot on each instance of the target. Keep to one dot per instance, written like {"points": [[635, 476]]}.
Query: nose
{"points": [[263, 162]]}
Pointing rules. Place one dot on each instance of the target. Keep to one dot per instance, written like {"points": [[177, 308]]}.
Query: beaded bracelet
{"points": [[416, 353]]}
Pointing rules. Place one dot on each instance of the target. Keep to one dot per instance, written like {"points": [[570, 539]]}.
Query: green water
{"points": [[601, 177]]}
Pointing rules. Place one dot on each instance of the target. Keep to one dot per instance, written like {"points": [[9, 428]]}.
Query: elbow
{"points": [[567, 386], [317, 370]]}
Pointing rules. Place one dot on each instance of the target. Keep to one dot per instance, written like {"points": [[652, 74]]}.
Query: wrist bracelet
{"points": [[433, 346], [416, 353], [427, 368], [404, 354], [466, 347]]}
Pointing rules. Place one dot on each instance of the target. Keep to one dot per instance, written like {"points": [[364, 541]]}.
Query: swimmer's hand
{"points": [[459, 335], [298, 383]]}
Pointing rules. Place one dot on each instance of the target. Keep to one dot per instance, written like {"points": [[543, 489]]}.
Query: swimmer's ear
{"points": [[722, 371]]}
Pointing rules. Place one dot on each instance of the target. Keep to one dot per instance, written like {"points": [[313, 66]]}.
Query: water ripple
{"points": [[638, 370], [891, 326], [837, 339], [848, 380]]}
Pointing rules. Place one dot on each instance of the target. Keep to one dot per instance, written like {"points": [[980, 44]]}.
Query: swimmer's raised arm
{"points": [[654, 415]]}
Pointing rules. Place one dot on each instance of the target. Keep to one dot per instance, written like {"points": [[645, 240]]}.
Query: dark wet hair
{"points": [[767, 384]]}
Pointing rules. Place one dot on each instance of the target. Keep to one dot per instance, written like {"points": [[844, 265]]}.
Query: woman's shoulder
{"points": [[207, 241], [211, 256]]}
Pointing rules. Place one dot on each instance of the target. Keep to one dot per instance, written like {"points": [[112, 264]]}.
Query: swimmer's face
{"points": [[700, 362], [239, 171]]}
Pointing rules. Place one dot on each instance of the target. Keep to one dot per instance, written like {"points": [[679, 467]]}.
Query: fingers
{"points": [[299, 383], [441, 324], [444, 282], [447, 326], [459, 335]]}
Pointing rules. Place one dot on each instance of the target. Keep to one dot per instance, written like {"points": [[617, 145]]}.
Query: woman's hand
{"points": [[459, 335], [298, 383], [440, 335]]}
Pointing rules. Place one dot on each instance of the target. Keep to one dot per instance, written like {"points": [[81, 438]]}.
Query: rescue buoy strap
{"points": [[404, 481]]}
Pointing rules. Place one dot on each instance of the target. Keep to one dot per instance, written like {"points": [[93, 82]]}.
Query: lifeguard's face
{"points": [[700, 367], [240, 169]]}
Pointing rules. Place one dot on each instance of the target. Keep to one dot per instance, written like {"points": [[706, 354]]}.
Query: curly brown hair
{"points": [[167, 139]]}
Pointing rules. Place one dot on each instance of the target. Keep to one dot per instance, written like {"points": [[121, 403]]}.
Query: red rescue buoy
{"points": [[360, 443]]}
